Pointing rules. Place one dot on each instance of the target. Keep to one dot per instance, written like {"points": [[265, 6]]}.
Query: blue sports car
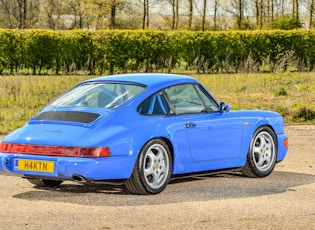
{"points": [[140, 130]]}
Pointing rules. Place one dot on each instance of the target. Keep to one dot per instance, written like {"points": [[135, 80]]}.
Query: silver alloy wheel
{"points": [[264, 151], [153, 169], [156, 166]]}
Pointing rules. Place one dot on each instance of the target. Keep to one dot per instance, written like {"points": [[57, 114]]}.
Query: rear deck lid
{"points": [[59, 128]]}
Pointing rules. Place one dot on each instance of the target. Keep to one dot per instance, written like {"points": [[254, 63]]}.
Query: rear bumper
{"points": [[69, 168]]}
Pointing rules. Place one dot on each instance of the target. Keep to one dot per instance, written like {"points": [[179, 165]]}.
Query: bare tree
{"points": [[237, 8], [75, 9], [282, 7], [240, 13], [175, 13], [204, 15], [295, 10], [191, 9], [113, 16], [53, 10], [7, 9], [259, 6], [113, 5], [201, 8], [20, 14], [145, 21], [310, 5], [258, 13], [215, 14], [311, 13], [272, 6], [100, 14]]}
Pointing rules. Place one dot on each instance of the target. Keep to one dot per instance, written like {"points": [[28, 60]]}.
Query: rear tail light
{"points": [[3, 147], [54, 150]]}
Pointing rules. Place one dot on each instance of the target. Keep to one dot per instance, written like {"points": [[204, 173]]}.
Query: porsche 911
{"points": [[141, 130]]}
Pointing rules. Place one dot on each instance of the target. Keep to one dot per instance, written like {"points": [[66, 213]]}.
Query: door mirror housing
{"points": [[224, 107]]}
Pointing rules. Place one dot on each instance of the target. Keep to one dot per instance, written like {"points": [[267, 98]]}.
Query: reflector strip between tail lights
{"points": [[54, 150]]}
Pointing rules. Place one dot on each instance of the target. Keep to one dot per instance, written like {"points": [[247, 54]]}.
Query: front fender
{"points": [[250, 125]]}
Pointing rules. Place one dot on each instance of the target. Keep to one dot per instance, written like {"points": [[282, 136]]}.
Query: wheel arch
{"points": [[262, 125], [170, 146], [167, 142], [250, 131], [249, 169], [140, 182], [272, 129]]}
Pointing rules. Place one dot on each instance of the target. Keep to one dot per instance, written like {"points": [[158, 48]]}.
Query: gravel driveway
{"points": [[283, 200]]}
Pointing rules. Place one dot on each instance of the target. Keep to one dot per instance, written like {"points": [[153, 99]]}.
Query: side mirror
{"points": [[224, 107]]}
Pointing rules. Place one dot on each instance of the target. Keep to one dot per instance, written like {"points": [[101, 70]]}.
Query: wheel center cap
{"points": [[156, 165]]}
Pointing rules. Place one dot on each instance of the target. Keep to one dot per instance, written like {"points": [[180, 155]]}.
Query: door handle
{"points": [[190, 124]]}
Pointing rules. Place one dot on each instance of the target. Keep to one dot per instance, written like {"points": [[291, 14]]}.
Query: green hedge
{"points": [[98, 52]]}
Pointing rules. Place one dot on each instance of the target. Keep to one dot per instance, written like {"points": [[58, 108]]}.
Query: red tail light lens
{"points": [[3, 147], [55, 150]]}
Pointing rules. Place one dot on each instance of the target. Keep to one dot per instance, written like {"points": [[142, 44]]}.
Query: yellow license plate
{"points": [[34, 165]]}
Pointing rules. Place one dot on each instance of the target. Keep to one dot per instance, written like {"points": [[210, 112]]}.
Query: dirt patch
{"points": [[301, 154], [287, 201]]}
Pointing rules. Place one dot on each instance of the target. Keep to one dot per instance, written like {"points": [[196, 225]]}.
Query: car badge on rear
{"points": [[49, 131]]}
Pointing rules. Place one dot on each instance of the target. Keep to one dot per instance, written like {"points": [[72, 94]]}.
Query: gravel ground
{"points": [[284, 200]]}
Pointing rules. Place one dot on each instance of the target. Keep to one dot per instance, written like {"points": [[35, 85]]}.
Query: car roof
{"points": [[147, 79]]}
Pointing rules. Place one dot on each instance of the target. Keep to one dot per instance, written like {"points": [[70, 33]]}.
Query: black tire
{"points": [[153, 169], [44, 182], [262, 154]]}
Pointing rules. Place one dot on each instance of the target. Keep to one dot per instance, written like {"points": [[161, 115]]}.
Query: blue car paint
{"points": [[125, 132], [65, 168]]}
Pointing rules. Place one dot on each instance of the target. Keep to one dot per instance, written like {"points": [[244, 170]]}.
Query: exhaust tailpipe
{"points": [[78, 177]]}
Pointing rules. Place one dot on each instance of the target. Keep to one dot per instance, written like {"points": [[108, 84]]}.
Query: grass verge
{"points": [[290, 94]]}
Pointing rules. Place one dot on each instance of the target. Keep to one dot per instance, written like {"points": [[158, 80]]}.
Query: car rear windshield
{"points": [[99, 95]]}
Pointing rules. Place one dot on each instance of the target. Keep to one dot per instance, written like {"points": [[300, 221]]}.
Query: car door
{"points": [[212, 135]]}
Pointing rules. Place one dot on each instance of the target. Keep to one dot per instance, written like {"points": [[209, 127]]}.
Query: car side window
{"points": [[185, 99], [154, 105]]}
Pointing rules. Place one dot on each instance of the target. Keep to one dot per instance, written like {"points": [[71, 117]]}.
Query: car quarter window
{"points": [[155, 105], [188, 98]]}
